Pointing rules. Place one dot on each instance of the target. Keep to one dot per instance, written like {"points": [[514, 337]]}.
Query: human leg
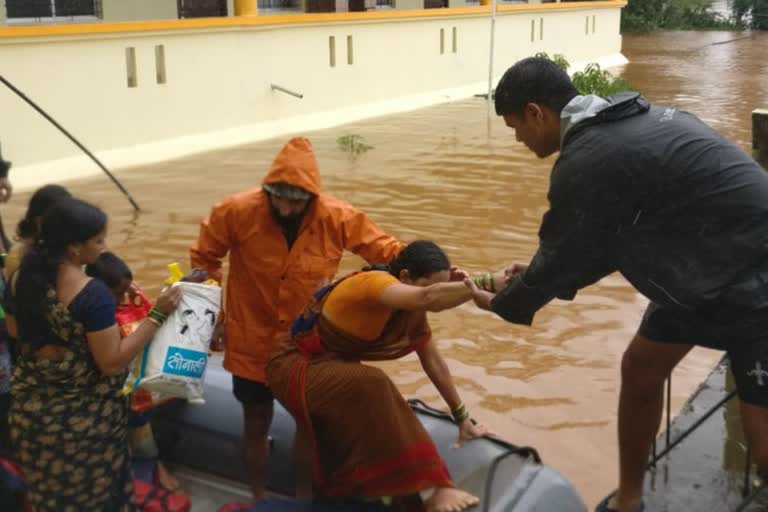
{"points": [[749, 364], [258, 409], [645, 366]]}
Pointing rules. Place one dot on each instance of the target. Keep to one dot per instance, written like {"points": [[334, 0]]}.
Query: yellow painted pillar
{"points": [[246, 7]]}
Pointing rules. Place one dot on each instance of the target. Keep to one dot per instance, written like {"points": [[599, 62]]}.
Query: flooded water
{"points": [[450, 174]]}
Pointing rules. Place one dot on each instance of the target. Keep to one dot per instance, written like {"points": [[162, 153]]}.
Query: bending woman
{"points": [[365, 439], [68, 413]]}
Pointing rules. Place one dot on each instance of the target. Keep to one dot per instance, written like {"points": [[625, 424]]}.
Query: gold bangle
{"points": [[154, 321]]}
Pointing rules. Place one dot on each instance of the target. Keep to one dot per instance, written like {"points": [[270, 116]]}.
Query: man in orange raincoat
{"points": [[284, 240]]}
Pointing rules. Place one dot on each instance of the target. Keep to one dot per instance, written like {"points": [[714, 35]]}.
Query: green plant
{"points": [[557, 58], [353, 144], [593, 79]]}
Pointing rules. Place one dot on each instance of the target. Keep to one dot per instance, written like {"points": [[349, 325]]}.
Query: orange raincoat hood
{"points": [[296, 165], [269, 282]]}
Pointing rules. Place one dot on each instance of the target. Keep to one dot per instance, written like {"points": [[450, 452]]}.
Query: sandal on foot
{"points": [[603, 505]]}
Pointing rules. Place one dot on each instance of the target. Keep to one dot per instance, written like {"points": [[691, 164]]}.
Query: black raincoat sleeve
{"points": [[578, 237]]}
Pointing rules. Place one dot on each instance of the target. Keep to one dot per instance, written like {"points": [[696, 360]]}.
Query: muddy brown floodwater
{"points": [[450, 174]]}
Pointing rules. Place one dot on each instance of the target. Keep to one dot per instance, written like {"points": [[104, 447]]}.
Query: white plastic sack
{"points": [[174, 362]]}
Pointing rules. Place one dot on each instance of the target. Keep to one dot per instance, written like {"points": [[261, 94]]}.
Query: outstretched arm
{"points": [[435, 297], [437, 371], [590, 203], [363, 237], [213, 242], [112, 353]]}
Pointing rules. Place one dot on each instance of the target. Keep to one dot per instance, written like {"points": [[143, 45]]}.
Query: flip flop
{"points": [[603, 505]]}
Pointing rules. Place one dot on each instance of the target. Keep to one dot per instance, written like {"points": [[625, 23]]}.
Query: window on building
{"points": [[34, 10], [201, 8], [280, 4]]}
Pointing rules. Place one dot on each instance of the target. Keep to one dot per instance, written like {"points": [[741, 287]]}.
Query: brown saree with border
{"points": [[366, 440]]}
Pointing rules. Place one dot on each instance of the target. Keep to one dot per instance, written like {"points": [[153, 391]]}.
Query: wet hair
{"points": [[421, 258], [533, 80], [110, 269], [39, 203], [67, 222], [288, 191]]}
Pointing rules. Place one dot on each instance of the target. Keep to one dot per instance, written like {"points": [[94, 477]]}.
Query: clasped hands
{"points": [[485, 286]]}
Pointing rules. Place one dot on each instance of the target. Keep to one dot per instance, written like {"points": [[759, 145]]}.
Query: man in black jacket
{"points": [[682, 213]]}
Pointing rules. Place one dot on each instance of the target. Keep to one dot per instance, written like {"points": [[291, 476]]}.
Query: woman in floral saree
{"points": [[68, 414], [365, 439]]}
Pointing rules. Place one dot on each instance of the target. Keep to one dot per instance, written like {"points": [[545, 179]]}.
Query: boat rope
{"points": [[690, 430], [749, 492], [523, 451]]}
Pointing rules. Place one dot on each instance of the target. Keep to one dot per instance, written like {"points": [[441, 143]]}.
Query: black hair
{"points": [[67, 222], [421, 258], [533, 80], [110, 269], [41, 200]]}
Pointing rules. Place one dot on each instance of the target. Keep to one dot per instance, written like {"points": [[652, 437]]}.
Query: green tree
{"points": [[648, 15], [752, 13]]}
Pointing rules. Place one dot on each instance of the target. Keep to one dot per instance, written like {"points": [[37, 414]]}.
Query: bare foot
{"points": [[166, 479], [448, 499]]}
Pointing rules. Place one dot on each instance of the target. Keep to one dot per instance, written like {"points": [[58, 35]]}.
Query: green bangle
{"points": [[157, 315], [461, 418], [493, 286], [460, 414]]}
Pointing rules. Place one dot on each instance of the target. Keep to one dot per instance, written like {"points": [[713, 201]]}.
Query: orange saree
{"points": [[366, 440]]}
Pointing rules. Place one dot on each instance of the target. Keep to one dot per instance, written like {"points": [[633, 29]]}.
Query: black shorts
{"points": [[250, 392], [745, 341]]}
